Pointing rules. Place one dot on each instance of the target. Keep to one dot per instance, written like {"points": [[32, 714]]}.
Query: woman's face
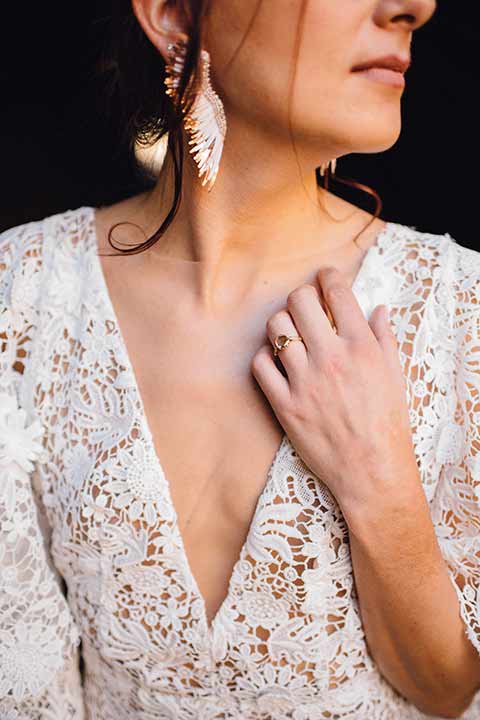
{"points": [[332, 107]]}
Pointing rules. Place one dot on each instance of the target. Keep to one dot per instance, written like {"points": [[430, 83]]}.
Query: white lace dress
{"points": [[89, 544]]}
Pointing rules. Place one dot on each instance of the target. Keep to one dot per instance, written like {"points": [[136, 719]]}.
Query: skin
{"points": [[246, 262]]}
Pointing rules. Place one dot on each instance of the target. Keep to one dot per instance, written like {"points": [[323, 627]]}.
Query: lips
{"points": [[389, 62]]}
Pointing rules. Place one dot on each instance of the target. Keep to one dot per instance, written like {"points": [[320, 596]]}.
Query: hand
{"points": [[343, 403]]}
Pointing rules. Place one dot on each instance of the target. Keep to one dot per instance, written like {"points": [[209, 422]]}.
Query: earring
{"points": [[325, 167], [206, 123]]}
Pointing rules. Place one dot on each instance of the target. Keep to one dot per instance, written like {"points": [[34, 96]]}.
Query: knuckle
{"points": [[276, 321], [256, 362], [270, 325], [328, 274], [335, 290], [300, 292]]}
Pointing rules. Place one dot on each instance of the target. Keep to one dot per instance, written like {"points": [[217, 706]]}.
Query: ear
{"points": [[161, 21]]}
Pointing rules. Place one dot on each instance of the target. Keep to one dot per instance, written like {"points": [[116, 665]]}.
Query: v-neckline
{"points": [[283, 447]]}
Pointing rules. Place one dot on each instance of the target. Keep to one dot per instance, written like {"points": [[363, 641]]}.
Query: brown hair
{"points": [[146, 113]]}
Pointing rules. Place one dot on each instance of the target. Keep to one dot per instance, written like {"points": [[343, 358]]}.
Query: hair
{"points": [[145, 113]]}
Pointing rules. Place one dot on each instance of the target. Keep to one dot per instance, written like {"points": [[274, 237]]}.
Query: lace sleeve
{"points": [[456, 505], [38, 638]]}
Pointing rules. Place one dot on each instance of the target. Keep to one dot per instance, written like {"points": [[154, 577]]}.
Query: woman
{"points": [[260, 493]]}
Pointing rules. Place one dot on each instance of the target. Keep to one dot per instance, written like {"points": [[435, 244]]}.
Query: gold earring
{"points": [[206, 123], [325, 167]]}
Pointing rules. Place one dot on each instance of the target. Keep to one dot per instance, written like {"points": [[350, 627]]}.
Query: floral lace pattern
{"points": [[38, 637], [287, 641]]}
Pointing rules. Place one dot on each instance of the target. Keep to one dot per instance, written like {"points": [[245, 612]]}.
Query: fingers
{"points": [[305, 307], [346, 312], [383, 331], [294, 356], [271, 381]]}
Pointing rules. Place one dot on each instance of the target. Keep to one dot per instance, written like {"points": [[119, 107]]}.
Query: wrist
{"points": [[380, 513]]}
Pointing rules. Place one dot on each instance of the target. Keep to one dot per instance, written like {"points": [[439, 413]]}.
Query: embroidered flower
{"points": [[78, 462], [19, 442], [144, 578], [437, 367], [142, 488], [29, 655], [449, 443], [170, 613], [95, 508], [276, 700], [262, 609], [317, 580], [167, 541], [64, 289], [275, 689], [98, 346], [16, 527]]}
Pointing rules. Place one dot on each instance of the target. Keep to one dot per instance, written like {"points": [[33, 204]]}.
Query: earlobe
{"points": [[160, 22]]}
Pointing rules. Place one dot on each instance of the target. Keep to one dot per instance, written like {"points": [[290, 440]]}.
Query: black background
{"points": [[59, 152]]}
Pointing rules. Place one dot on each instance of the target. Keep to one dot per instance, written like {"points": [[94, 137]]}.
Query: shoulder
{"points": [[433, 282], [462, 287], [464, 269], [29, 264], [441, 246], [459, 280], [419, 244], [26, 248], [437, 259], [442, 276], [21, 244], [20, 249]]}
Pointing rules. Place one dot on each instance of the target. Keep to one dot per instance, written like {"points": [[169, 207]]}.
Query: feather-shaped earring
{"points": [[206, 123], [325, 167]]}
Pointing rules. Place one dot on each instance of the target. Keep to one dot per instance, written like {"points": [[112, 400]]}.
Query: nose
{"points": [[412, 14]]}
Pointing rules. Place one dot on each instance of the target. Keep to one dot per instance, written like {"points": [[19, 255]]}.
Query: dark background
{"points": [[59, 151]]}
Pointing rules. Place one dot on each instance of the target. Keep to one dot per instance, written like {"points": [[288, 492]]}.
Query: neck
{"points": [[264, 213]]}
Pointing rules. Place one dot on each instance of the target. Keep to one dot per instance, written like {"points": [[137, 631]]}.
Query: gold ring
{"points": [[283, 341]]}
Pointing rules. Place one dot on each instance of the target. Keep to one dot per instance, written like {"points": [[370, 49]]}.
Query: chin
{"points": [[377, 145], [374, 138], [367, 135]]}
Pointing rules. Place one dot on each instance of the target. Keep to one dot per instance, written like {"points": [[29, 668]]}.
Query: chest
{"points": [[178, 499], [212, 430]]}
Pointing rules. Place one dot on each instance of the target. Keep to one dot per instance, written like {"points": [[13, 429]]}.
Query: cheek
{"points": [[345, 114], [261, 38], [327, 100], [256, 85], [332, 36]]}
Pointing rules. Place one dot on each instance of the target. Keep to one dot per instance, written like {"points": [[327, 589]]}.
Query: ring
{"points": [[283, 341]]}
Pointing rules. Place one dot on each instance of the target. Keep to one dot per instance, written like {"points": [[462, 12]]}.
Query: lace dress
{"points": [[92, 563]]}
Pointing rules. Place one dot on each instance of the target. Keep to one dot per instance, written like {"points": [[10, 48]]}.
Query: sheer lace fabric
{"points": [[287, 641], [39, 639]]}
